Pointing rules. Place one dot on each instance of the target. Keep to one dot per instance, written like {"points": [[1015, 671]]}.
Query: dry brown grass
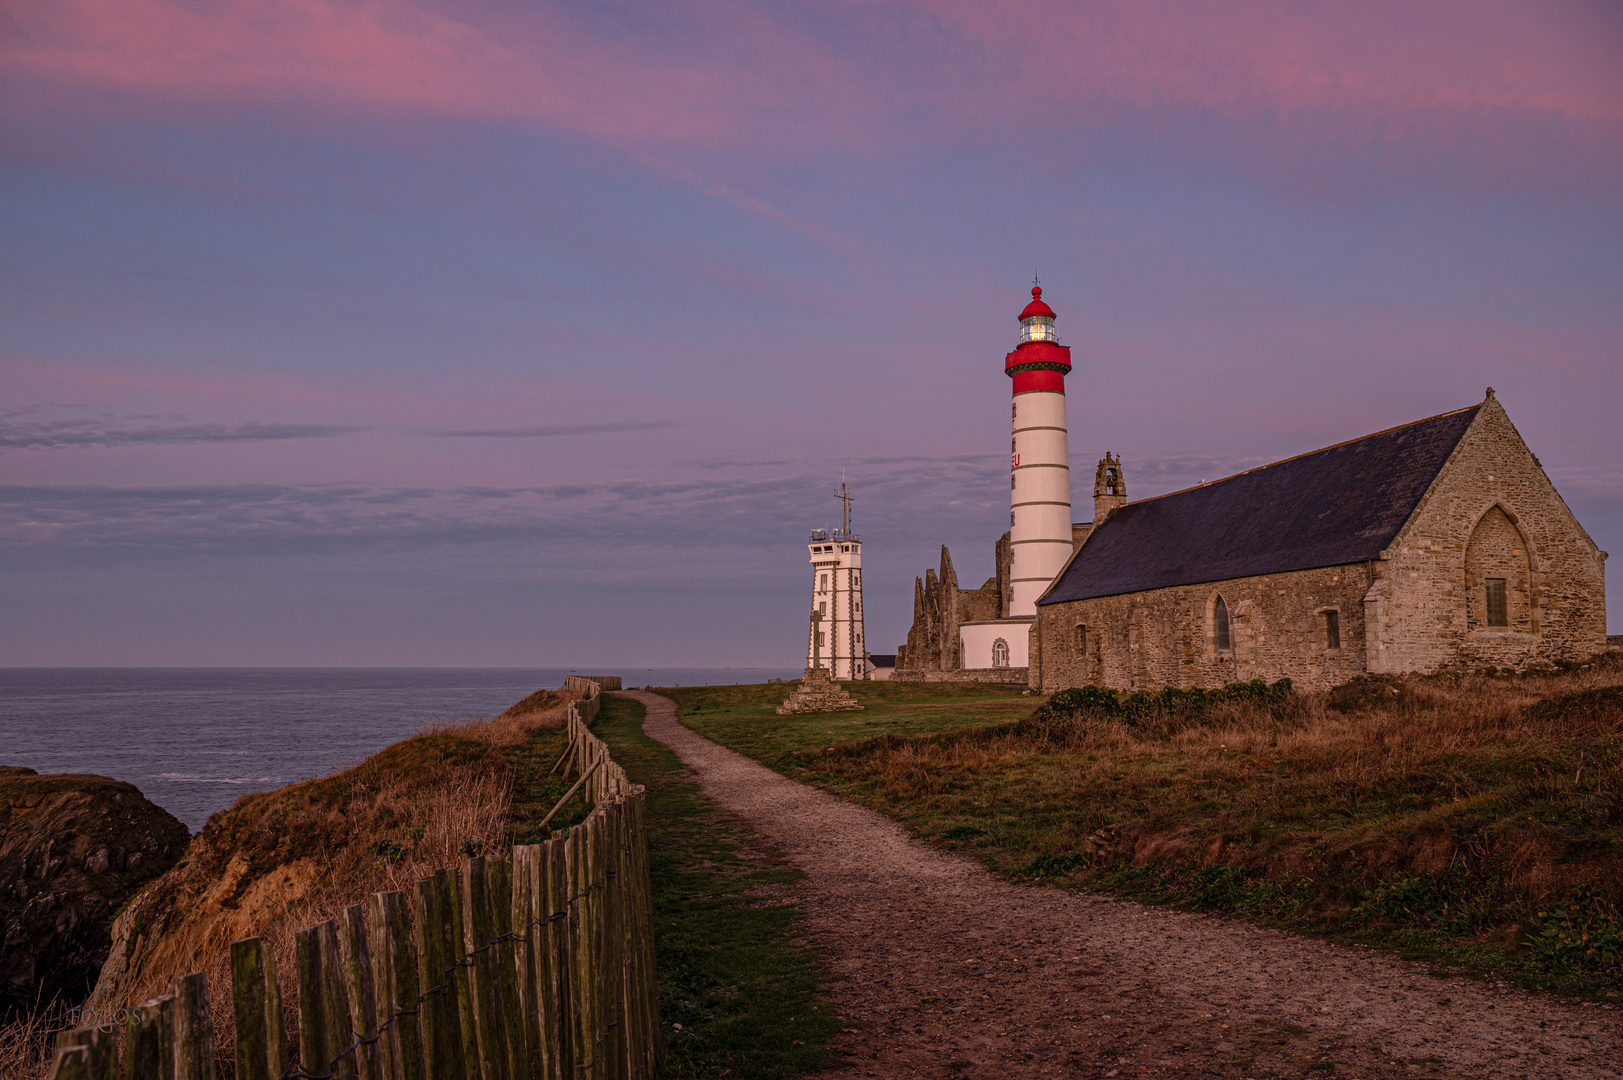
{"points": [[26, 1042], [1490, 798], [285, 859]]}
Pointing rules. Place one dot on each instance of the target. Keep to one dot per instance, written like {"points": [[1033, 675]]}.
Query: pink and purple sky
{"points": [[371, 332]]}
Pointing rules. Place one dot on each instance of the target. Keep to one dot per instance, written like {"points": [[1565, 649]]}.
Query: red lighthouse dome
{"points": [[1039, 362], [1036, 307]]}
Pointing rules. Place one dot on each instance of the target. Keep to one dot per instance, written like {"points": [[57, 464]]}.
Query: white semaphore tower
{"points": [[1039, 489], [835, 641]]}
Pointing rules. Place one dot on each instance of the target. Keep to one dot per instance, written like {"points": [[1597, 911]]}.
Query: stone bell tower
{"points": [[1109, 488]]}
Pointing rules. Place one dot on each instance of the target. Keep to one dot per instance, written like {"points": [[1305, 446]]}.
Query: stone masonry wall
{"points": [[1491, 513], [1150, 640]]}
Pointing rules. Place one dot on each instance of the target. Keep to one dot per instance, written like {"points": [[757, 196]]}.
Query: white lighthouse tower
{"points": [[1039, 489], [835, 640]]}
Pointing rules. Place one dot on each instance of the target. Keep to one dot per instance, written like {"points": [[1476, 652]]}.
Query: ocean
{"points": [[194, 739]]}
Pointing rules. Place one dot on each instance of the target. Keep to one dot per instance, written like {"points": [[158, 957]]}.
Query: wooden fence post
{"points": [[355, 957], [340, 1035], [194, 1028], [437, 971], [557, 1022], [484, 976], [71, 1063], [617, 1027], [395, 975], [526, 923], [650, 987], [450, 882], [100, 1045], [580, 961], [250, 1010], [312, 1020], [149, 1041], [505, 957]]}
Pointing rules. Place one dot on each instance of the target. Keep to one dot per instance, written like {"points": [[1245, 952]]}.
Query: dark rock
{"points": [[73, 849]]}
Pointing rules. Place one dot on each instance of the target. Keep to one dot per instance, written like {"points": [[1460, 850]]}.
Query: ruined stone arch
{"points": [[1498, 551]]}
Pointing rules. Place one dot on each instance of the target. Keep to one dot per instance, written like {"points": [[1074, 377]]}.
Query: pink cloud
{"points": [[1283, 56], [390, 55], [743, 71]]}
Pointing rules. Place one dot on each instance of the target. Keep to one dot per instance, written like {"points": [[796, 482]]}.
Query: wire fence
{"points": [[537, 965]]}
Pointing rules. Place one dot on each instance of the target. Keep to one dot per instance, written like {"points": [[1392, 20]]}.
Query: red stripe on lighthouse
{"points": [[1039, 379]]}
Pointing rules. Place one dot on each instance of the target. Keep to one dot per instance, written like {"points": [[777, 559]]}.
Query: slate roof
{"points": [[1342, 504]]}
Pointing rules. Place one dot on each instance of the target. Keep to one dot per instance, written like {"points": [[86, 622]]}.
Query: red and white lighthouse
{"points": [[1039, 491], [1039, 471]]}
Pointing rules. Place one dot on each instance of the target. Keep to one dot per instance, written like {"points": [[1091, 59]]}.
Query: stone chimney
{"points": [[1109, 488]]}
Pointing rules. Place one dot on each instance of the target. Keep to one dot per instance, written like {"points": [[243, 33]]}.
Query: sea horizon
{"points": [[195, 739]]}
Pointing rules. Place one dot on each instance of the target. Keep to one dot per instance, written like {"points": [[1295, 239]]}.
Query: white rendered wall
{"points": [[1039, 502], [978, 638], [837, 593]]}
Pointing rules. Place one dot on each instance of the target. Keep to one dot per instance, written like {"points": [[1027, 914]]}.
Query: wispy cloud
{"points": [[768, 515], [547, 431], [20, 431]]}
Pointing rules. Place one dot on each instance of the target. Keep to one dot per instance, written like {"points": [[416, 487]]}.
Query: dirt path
{"points": [[943, 970]]}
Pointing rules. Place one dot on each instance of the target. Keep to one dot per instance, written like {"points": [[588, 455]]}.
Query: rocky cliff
{"points": [[73, 849]]}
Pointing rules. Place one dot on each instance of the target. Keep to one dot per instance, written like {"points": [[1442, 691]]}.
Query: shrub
{"points": [[1174, 701], [1580, 936], [388, 850]]}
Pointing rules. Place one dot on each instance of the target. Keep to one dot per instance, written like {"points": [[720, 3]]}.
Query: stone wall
{"points": [[1491, 513], [1164, 637], [1013, 676]]}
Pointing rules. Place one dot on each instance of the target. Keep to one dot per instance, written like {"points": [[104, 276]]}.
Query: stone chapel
{"points": [[1440, 543]]}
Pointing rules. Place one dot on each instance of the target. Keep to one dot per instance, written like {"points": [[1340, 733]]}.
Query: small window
{"points": [[1000, 653], [1220, 626], [822, 583], [819, 637], [1497, 615], [822, 608], [1081, 641], [1330, 629]]}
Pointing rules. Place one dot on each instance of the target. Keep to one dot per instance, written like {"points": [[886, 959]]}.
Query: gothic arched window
{"points": [[1000, 653], [1220, 626]]}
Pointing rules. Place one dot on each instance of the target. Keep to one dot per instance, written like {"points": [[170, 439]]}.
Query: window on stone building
{"points": [[819, 637], [822, 583], [822, 608], [1081, 641], [1330, 629], [1498, 614], [1000, 653], [1220, 626]]}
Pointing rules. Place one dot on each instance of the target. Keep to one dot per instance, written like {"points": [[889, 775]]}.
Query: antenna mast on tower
{"points": [[846, 499]]}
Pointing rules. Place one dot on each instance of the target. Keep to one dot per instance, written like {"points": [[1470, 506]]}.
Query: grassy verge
{"points": [[1471, 820], [734, 972]]}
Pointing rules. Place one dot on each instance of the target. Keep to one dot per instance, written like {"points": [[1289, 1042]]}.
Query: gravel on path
{"points": [[941, 969]]}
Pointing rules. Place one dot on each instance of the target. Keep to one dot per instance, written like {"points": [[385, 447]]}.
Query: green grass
{"points": [[734, 969], [745, 718], [1470, 821], [537, 789]]}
